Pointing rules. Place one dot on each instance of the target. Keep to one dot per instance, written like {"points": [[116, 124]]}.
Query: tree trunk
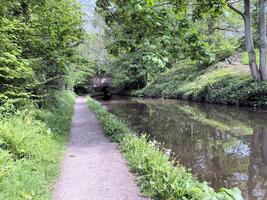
{"points": [[249, 42], [263, 44], [211, 30]]}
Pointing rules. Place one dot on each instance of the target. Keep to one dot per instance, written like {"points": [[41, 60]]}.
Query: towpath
{"points": [[93, 168]]}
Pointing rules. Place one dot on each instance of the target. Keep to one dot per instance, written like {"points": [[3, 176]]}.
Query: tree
{"points": [[217, 7], [142, 38], [38, 52], [147, 37], [263, 44], [258, 73]]}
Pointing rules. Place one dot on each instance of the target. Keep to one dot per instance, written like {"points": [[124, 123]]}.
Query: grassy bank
{"points": [[31, 144], [157, 177], [220, 83]]}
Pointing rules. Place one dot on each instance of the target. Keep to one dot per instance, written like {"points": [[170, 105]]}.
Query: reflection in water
{"points": [[225, 146]]}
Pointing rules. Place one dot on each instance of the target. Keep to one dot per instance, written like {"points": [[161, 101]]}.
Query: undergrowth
{"points": [[157, 177], [31, 144], [216, 84]]}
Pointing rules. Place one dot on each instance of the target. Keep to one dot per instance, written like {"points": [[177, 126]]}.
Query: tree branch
{"points": [[229, 4]]}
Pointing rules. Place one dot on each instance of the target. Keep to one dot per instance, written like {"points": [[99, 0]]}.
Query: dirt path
{"points": [[93, 168]]}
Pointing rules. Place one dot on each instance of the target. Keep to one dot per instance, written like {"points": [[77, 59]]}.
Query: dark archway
{"points": [[102, 85], [106, 93]]}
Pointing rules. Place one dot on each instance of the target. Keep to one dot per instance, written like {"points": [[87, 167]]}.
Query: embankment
{"points": [[221, 83]]}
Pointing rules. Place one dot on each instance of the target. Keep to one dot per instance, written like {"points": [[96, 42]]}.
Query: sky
{"points": [[88, 8]]}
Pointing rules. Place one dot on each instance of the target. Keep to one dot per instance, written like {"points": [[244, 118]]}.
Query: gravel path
{"points": [[93, 168]]}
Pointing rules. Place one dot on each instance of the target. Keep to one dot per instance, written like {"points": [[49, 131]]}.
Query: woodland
{"points": [[211, 51]]}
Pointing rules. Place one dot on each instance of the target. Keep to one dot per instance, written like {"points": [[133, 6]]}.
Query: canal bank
{"points": [[157, 175], [223, 145], [221, 83]]}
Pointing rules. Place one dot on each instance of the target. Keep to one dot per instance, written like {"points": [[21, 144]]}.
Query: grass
{"points": [[216, 84], [31, 144], [158, 176]]}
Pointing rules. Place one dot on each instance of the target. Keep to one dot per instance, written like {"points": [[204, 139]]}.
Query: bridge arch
{"points": [[102, 85]]}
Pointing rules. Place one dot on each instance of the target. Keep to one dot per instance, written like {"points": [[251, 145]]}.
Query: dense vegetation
{"points": [[149, 37], [219, 83], [166, 48], [39, 65], [157, 176], [31, 145], [37, 53]]}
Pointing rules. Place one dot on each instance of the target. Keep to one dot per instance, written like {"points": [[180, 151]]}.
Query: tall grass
{"points": [[157, 176], [31, 144]]}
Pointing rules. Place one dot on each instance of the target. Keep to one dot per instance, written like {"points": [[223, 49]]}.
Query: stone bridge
{"points": [[102, 85]]}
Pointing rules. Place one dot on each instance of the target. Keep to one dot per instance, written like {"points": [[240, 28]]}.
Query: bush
{"points": [[31, 144], [157, 176]]}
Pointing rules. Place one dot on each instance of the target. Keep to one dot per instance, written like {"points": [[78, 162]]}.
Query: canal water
{"points": [[223, 145]]}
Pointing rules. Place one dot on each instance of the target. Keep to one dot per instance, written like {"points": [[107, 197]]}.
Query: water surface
{"points": [[223, 145]]}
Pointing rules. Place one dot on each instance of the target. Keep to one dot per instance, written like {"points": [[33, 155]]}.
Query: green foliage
{"points": [[239, 90], [38, 53], [157, 176], [31, 143], [15, 72], [215, 84], [147, 37], [202, 84]]}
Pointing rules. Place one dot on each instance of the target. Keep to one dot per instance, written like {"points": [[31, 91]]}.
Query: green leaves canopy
{"points": [[152, 35], [37, 52]]}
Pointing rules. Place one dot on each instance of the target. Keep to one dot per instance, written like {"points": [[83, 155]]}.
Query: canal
{"points": [[222, 145]]}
